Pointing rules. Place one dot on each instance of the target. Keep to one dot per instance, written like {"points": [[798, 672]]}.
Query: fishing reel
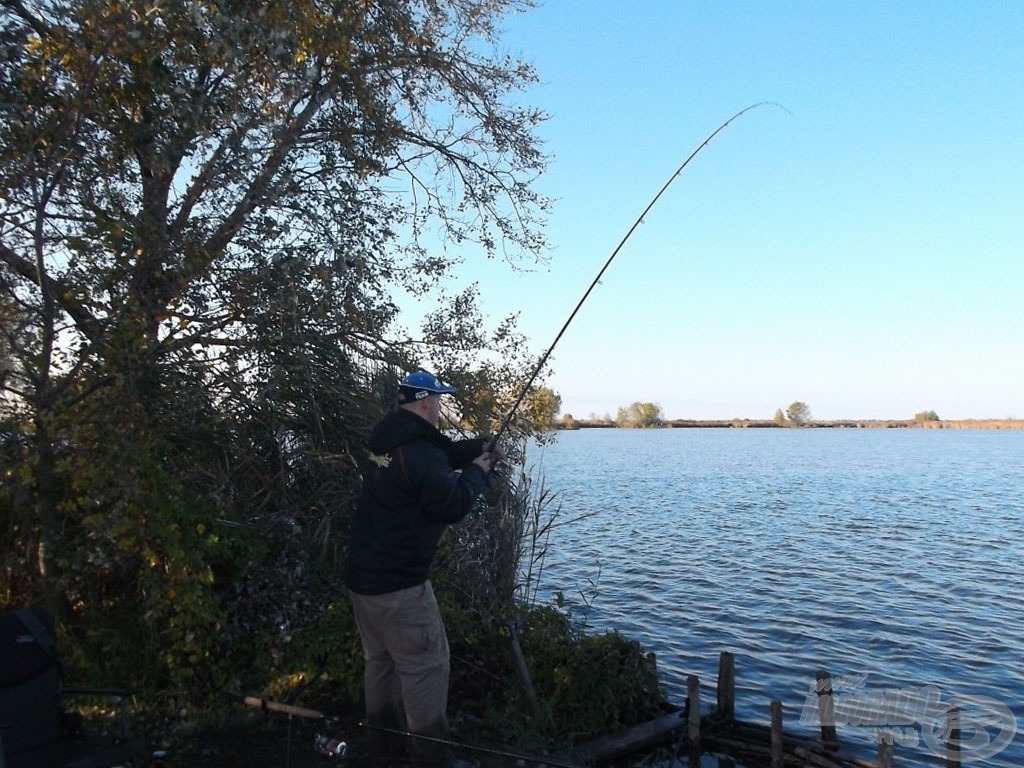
{"points": [[330, 746], [498, 468]]}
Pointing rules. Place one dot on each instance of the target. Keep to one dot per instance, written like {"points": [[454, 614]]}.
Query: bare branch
{"points": [[84, 320], [39, 26]]}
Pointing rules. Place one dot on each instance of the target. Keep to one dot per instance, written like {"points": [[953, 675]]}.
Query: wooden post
{"points": [[777, 753], [953, 739], [693, 700], [521, 668], [885, 751], [826, 710], [632, 740], [727, 685]]}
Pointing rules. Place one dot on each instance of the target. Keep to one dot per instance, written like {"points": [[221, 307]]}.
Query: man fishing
{"points": [[416, 482]]}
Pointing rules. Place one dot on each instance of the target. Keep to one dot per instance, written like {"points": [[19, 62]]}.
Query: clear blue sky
{"points": [[861, 250]]}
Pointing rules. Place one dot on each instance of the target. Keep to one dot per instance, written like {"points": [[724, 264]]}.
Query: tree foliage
{"points": [[798, 413], [640, 416], [208, 213], [543, 406]]}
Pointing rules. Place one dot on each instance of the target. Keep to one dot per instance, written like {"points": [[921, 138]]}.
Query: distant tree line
{"points": [[646, 414], [638, 415]]}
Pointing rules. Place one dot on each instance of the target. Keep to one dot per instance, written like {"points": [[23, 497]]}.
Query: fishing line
{"points": [[508, 418], [547, 761]]}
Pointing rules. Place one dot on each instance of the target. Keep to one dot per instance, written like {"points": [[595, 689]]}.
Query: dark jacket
{"points": [[410, 494]]}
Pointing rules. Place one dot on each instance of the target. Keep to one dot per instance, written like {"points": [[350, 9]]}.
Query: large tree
{"points": [[208, 212]]}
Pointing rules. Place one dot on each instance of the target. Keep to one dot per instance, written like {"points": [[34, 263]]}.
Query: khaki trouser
{"points": [[407, 663]]}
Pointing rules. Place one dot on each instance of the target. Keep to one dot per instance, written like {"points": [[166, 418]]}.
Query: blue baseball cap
{"points": [[418, 385]]}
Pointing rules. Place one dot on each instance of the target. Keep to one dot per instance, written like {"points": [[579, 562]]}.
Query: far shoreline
{"points": [[823, 424]]}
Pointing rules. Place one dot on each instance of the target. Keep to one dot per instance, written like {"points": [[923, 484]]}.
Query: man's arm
{"points": [[462, 452], [447, 496]]}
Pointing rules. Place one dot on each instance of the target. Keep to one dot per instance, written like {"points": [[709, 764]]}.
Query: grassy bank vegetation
{"points": [[192, 605]]}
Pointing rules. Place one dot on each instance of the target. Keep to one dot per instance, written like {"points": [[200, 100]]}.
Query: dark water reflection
{"points": [[895, 554]]}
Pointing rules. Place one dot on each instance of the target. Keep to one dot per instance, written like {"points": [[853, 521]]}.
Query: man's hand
{"points": [[489, 461], [485, 461]]}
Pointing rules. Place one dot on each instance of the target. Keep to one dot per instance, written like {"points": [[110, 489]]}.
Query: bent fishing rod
{"points": [[540, 365]]}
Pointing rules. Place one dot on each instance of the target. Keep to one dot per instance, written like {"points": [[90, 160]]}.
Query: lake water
{"points": [[891, 558]]}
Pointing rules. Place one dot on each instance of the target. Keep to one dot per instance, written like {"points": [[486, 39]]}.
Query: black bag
{"points": [[30, 681]]}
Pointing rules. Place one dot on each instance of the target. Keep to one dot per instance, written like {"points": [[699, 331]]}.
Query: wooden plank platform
{"points": [[719, 732]]}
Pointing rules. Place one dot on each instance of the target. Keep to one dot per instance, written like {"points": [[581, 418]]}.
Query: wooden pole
{"points": [[777, 753], [953, 740], [811, 758], [693, 700], [632, 740], [521, 669], [826, 711], [885, 752], [727, 685]]}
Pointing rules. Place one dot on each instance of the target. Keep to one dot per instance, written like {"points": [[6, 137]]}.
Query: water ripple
{"points": [[890, 553]]}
